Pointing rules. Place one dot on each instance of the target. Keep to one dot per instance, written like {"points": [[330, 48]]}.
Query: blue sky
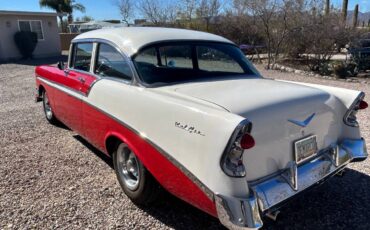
{"points": [[104, 9], [98, 9]]}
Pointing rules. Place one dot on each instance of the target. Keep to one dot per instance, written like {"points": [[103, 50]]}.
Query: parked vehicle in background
{"points": [[360, 54], [186, 111]]}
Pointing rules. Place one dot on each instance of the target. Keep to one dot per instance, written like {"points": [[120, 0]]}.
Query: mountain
{"points": [[362, 17]]}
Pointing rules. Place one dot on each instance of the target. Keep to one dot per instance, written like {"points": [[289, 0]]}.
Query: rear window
{"points": [[164, 64]]}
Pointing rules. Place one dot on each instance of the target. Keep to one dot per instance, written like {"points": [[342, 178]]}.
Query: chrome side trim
{"points": [[182, 168], [48, 81]]}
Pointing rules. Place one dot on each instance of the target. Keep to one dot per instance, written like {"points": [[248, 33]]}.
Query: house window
{"points": [[33, 26]]}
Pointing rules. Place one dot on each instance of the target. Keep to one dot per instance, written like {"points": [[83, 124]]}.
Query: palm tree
{"points": [[71, 6], [62, 7]]}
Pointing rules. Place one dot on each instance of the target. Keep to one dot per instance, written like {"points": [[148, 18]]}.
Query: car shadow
{"points": [[94, 150], [39, 61], [340, 203], [343, 202]]}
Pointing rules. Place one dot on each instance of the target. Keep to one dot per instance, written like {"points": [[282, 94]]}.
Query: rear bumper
{"points": [[269, 194]]}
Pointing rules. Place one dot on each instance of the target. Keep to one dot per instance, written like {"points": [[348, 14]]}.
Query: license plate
{"points": [[305, 148]]}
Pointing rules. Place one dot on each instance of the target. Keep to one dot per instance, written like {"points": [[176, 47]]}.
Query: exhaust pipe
{"points": [[273, 215]]}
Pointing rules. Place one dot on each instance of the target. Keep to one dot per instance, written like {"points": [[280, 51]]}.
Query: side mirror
{"points": [[61, 65]]}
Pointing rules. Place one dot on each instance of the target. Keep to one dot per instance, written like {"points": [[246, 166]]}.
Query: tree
{"points": [[58, 5], [208, 8], [126, 9], [62, 7], [355, 17], [157, 12], [189, 7], [71, 6], [327, 7], [85, 19], [344, 11], [273, 17]]}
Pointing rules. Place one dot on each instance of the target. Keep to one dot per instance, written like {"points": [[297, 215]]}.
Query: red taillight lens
{"points": [[363, 105], [247, 141]]}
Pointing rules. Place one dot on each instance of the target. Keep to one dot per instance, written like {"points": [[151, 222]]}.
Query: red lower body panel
{"points": [[98, 127]]}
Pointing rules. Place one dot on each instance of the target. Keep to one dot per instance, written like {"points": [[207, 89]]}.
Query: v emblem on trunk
{"points": [[303, 123]]}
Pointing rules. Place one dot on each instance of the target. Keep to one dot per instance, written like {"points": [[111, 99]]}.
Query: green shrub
{"points": [[344, 70], [26, 42]]}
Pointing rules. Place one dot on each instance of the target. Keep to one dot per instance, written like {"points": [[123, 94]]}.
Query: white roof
{"points": [[131, 39]]}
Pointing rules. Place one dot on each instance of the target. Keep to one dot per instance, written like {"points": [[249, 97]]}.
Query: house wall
{"points": [[48, 47]]}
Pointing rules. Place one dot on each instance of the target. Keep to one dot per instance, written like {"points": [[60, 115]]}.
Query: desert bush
{"points": [[26, 42], [344, 70]]}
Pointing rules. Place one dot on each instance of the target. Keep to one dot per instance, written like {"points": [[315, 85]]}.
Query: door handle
{"points": [[82, 80]]}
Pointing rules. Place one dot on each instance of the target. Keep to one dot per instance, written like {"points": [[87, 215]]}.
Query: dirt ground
{"points": [[52, 178]]}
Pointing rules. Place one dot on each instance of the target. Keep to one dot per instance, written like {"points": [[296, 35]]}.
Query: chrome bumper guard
{"points": [[269, 194]]}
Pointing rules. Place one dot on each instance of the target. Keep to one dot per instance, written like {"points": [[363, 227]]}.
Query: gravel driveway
{"points": [[52, 178]]}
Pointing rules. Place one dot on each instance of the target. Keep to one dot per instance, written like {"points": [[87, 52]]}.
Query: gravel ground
{"points": [[52, 178]]}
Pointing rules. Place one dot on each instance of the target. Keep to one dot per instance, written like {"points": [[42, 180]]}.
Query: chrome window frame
{"points": [[71, 58], [125, 59], [96, 42], [141, 83]]}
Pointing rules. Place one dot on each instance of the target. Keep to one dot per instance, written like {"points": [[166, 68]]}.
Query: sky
{"points": [[105, 9]]}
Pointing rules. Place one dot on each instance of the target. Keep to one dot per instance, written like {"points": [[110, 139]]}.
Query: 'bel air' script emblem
{"points": [[302, 123], [188, 128]]}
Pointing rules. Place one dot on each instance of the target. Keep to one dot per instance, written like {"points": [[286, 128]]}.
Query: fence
{"points": [[65, 40]]}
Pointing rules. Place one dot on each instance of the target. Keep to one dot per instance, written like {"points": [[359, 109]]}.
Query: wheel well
{"points": [[111, 144]]}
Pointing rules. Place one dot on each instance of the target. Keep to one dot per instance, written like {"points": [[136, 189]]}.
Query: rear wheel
{"points": [[136, 181], [50, 117]]}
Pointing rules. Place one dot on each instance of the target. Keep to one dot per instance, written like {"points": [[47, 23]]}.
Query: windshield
{"points": [[164, 64]]}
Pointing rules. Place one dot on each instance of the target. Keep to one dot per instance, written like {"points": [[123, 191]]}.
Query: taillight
{"points": [[363, 105], [232, 158], [247, 141], [350, 118]]}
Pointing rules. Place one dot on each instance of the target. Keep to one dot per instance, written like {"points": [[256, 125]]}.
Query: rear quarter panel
{"points": [[154, 115]]}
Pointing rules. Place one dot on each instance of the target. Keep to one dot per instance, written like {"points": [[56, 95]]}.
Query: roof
{"points": [[7, 12], [131, 39]]}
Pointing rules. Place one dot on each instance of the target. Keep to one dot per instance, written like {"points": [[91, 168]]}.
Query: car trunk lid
{"points": [[272, 107]]}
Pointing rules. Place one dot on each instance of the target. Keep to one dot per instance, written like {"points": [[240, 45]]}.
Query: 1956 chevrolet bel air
{"points": [[186, 111]]}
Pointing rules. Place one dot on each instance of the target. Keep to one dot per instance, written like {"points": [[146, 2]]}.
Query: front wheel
{"points": [[136, 181], [50, 117]]}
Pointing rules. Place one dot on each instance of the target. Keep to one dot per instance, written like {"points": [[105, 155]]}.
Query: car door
{"points": [[76, 80], [110, 65]]}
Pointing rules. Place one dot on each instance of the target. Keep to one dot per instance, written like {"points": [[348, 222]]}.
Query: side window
{"points": [[148, 57], [110, 63], [214, 60], [82, 56], [34, 26], [176, 56]]}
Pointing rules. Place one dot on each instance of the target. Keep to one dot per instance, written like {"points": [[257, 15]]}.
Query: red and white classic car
{"points": [[185, 110]]}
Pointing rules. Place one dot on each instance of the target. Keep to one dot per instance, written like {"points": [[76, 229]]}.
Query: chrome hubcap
{"points": [[48, 112], [128, 167]]}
